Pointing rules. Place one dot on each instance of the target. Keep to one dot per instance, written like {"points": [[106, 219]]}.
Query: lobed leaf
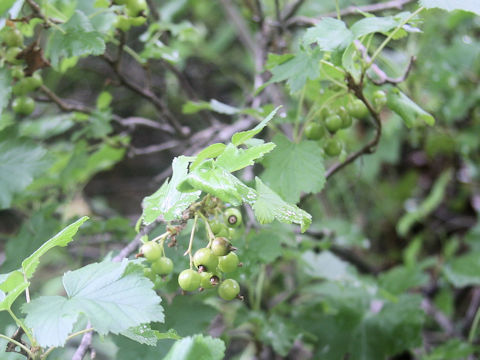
{"points": [[197, 347], [233, 158], [242, 136], [465, 5]]}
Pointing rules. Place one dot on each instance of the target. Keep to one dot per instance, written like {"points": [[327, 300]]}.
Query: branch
{"points": [[38, 13], [64, 105], [368, 148], [439, 317], [383, 77], [148, 95], [351, 10], [291, 11], [84, 344]]}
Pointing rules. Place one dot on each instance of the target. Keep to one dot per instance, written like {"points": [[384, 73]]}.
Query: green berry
{"points": [[151, 251], [205, 257], [332, 147], [13, 37], [11, 55], [162, 266], [345, 116], [138, 21], [217, 227], [189, 280], [228, 263], [123, 23], [149, 274], [135, 7], [23, 105], [314, 131], [229, 289], [333, 123], [357, 109], [208, 280], [27, 84], [233, 217], [221, 246], [379, 99]]}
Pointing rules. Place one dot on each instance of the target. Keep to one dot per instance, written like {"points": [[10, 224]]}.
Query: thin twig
{"points": [[439, 317], [84, 344], [351, 10], [240, 25]]}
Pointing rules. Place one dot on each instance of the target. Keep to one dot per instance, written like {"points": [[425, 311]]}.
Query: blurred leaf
{"points": [[431, 202], [297, 70], [112, 298], [400, 279], [143, 334], [46, 127], [329, 34], [463, 270], [412, 114], [375, 24], [198, 347], [167, 201], [264, 246], [325, 265], [452, 349], [5, 86], [466, 5], [20, 161], [294, 168], [279, 333], [12, 286], [77, 37], [269, 206]]}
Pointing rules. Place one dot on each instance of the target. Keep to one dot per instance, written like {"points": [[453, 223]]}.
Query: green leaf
{"points": [[5, 5], [143, 334], [452, 349], [104, 100], [412, 114], [325, 266], [463, 270], [264, 246], [5, 87], [217, 181], [465, 5], [77, 38], [12, 285], [211, 151], [63, 238], [198, 347], [168, 201], [329, 34], [233, 158], [297, 70], [112, 297], [20, 161], [269, 206], [241, 137], [400, 279], [280, 333], [294, 168], [375, 24], [431, 202], [192, 107]]}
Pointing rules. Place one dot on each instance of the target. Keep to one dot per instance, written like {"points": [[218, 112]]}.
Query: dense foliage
{"points": [[264, 179]]}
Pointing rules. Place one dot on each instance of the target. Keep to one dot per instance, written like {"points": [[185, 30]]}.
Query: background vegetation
{"points": [[389, 267]]}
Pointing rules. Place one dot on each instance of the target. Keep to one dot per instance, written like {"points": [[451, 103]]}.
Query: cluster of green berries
{"points": [[12, 43], [211, 262], [333, 120], [134, 14]]}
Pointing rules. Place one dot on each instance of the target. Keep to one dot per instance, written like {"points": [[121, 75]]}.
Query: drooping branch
{"points": [[351, 10]]}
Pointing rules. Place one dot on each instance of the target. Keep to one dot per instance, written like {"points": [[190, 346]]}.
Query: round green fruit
{"points": [[217, 227], [208, 280], [357, 109], [379, 99], [229, 289], [189, 280], [151, 251], [205, 257], [221, 246], [13, 37], [11, 55], [333, 123], [228, 263], [233, 217], [138, 21], [149, 274], [27, 84], [135, 7], [123, 23], [23, 105], [17, 72], [345, 116], [333, 147], [162, 266], [314, 131]]}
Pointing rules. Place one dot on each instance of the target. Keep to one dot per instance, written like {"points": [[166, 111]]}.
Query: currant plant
{"points": [[83, 84]]}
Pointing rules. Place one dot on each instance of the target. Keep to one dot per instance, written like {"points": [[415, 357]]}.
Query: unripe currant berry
{"points": [[151, 251], [205, 257], [233, 217], [333, 123], [208, 280], [357, 109], [162, 266], [332, 147], [189, 280], [221, 246], [228, 289], [314, 131], [228, 263]]}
